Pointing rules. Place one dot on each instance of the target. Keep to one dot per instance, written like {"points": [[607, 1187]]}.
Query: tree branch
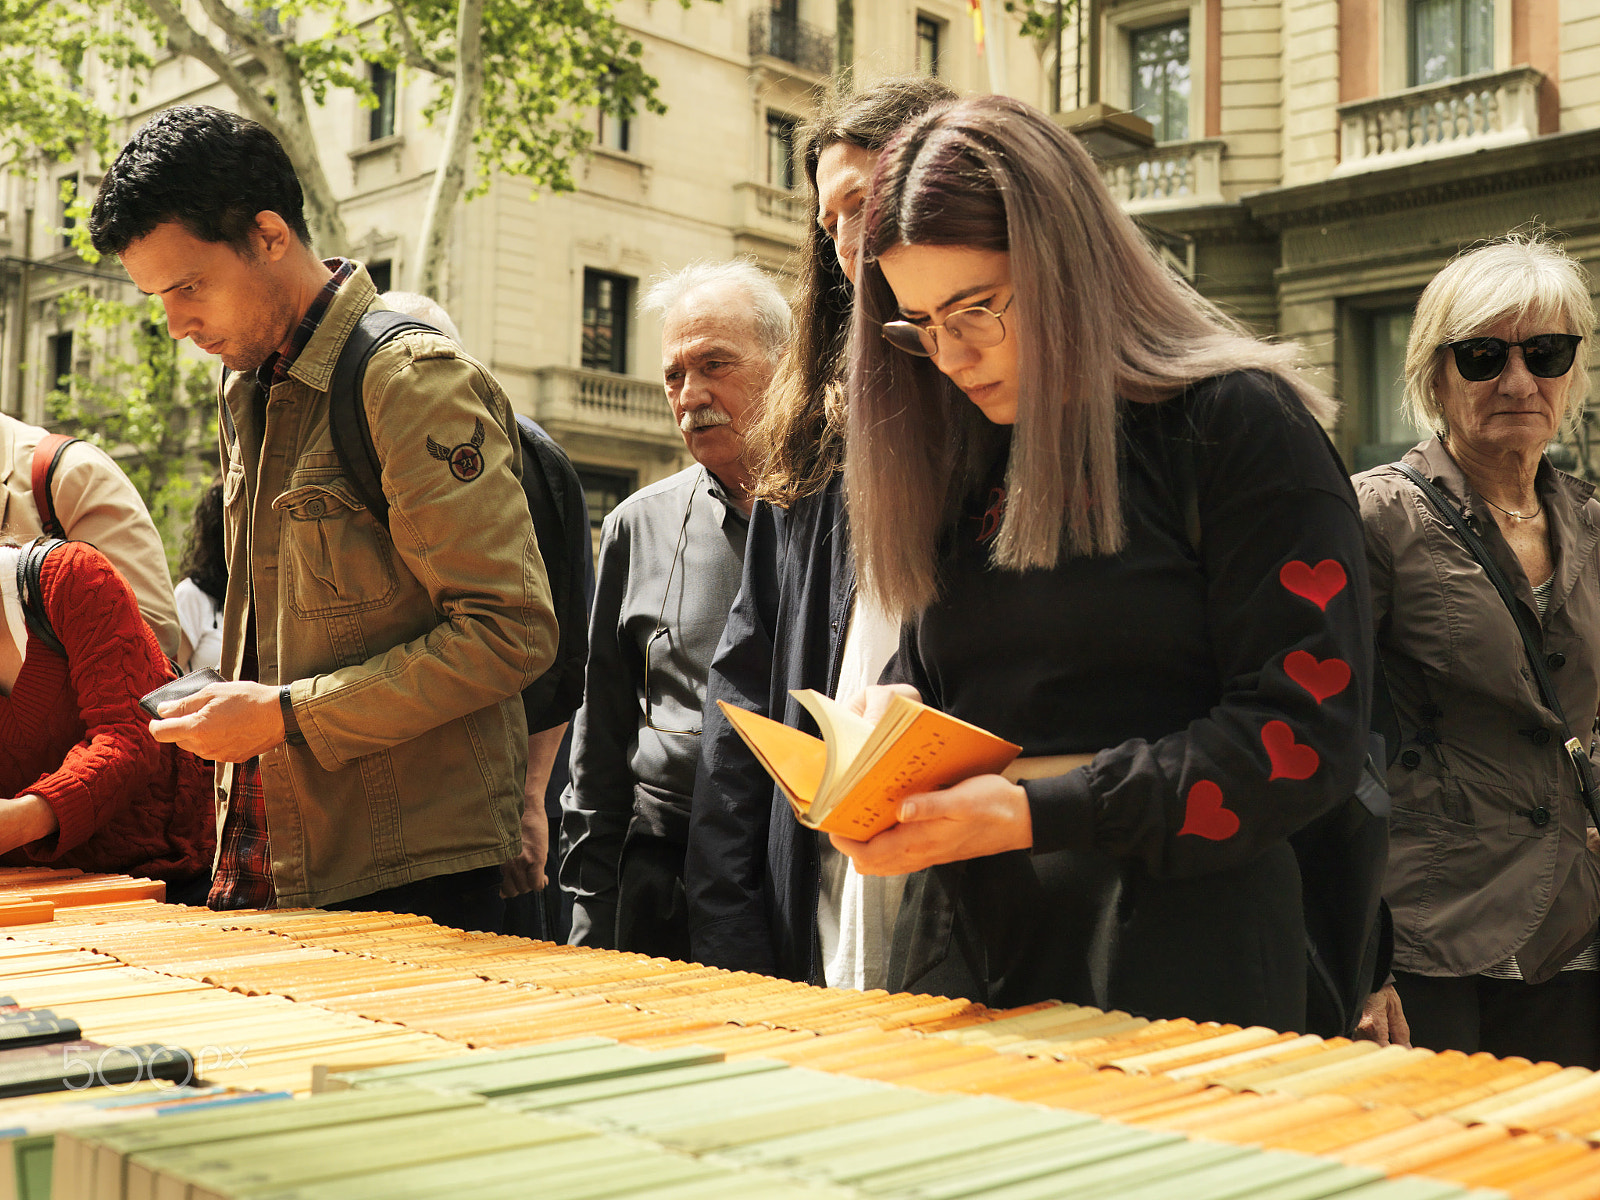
{"points": [[455, 156], [292, 128], [230, 23], [411, 48], [186, 39], [27, 14]]}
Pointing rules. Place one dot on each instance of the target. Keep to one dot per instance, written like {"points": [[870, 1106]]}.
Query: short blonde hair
{"points": [[1525, 277]]}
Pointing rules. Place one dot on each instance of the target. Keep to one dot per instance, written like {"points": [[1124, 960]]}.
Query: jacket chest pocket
{"points": [[336, 557]]}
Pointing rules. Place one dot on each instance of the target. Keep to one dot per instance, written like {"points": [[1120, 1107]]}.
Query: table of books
{"points": [[157, 1051]]}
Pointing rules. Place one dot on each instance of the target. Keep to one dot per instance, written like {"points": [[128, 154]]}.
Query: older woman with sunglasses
{"points": [[1119, 538], [1494, 892]]}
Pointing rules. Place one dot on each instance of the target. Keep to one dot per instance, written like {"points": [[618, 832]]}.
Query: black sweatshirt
{"points": [[1222, 675]]}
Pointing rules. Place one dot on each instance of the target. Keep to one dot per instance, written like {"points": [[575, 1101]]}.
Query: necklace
{"points": [[1516, 515]]}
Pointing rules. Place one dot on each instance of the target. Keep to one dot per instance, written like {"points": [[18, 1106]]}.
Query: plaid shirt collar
{"points": [[276, 369]]}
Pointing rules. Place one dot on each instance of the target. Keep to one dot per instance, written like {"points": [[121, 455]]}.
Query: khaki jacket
{"points": [[405, 650], [1487, 852], [96, 503]]}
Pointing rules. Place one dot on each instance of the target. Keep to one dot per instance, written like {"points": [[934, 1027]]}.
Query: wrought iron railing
{"points": [[776, 34]]}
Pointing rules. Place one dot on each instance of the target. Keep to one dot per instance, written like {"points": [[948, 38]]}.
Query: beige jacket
{"points": [[405, 650], [97, 504], [1487, 854]]}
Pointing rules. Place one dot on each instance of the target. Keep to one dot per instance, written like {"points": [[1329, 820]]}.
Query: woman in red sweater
{"points": [[82, 782]]}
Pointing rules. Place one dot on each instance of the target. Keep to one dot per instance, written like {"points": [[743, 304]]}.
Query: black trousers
{"points": [[1557, 1021], [467, 900], [652, 908]]}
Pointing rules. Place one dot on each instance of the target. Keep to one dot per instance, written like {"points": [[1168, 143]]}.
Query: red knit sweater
{"points": [[72, 732]]}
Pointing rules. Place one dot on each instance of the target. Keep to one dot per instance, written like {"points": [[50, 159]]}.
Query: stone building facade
{"points": [[1337, 153], [1310, 164], [544, 289]]}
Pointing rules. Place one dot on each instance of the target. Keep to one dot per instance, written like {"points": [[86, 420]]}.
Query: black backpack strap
{"points": [[1576, 751], [347, 410], [30, 566], [227, 414]]}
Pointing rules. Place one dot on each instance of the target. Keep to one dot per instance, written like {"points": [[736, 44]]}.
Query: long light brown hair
{"points": [[797, 444], [1099, 320]]}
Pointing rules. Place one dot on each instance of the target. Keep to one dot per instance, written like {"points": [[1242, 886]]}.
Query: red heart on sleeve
{"points": [[1290, 759], [1322, 679], [1205, 816], [1318, 584]]}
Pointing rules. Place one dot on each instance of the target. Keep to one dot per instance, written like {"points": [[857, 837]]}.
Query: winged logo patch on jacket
{"points": [[466, 460]]}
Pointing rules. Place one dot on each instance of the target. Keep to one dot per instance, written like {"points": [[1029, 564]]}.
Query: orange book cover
{"points": [[852, 779]]}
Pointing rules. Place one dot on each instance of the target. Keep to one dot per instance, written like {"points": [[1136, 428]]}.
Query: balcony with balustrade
{"points": [[1166, 175], [782, 42], [1474, 112], [571, 398], [768, 222]]}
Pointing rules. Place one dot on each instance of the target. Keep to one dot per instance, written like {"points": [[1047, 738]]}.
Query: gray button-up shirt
{"points": [[670, 562]]}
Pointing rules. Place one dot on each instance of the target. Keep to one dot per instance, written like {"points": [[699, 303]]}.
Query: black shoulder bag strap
{"points": [[30, 565], [1547, 688], [347, 409]]}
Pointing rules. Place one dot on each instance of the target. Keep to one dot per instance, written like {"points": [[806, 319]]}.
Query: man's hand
{"points": [[526, 872], [25, 819], [225, 722], [978, 816], [1383, 1020]]}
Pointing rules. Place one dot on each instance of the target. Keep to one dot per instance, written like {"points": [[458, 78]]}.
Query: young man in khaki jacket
{"points": [[372, 730]]}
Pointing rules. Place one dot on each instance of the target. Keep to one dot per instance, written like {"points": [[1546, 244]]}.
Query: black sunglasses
{"points": [[1549, 356]]}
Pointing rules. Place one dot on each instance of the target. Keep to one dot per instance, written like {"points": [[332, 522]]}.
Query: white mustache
{"points": [[702, 418]]}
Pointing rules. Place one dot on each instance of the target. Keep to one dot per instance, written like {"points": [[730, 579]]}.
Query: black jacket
{"points": [[1161, 878], [752, 871], [1222, 684]]}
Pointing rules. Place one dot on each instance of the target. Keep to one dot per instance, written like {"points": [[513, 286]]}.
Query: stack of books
{"points": [[588, 1119]]}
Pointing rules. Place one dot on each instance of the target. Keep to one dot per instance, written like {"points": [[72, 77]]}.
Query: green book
{"points": [[1414, 1187], [950, 1112], [335, 1150], [1336, 1184], [651, 1115], [748, 1128], [563, 1095], [25, 1169], [1115, 1177], [429, 1180], [1015, 1128], [96, 1159], [1000, 1166], [491, 1075], [620, 1175], [416, 1072], [1240, 1178]]}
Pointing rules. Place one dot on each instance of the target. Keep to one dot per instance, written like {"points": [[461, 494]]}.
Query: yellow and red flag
{"points": [[975, 7]]}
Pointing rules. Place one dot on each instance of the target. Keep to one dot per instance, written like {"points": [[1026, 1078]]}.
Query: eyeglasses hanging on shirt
{"points": [[660, 641]]}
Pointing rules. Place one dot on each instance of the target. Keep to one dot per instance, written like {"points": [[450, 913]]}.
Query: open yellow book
{"points": [[851, 781]]}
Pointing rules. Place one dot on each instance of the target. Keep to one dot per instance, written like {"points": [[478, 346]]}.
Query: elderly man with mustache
{"points": [[670, 559]]}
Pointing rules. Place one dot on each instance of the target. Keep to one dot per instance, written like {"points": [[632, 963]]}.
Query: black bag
{"points": [[30, 564], [555, 501], [1342, 855]]}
